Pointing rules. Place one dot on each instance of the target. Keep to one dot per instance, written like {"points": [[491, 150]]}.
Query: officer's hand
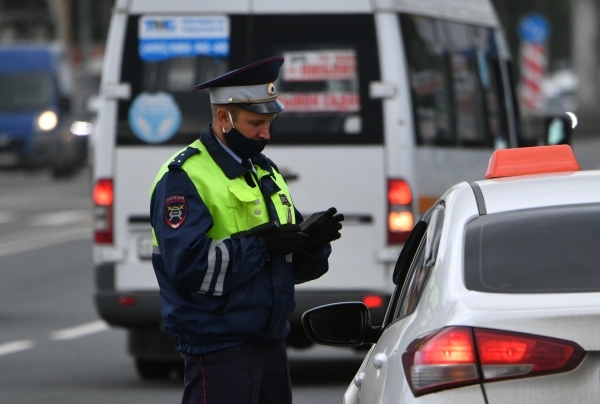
{"points": [[325, 229], [283, 240]]}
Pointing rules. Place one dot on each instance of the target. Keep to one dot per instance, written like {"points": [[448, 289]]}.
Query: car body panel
{"points": [[532, 191], [582, 385], [445, 301]]}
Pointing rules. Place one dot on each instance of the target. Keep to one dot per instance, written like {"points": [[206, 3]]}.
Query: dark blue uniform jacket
{"points": [[254, 298]]}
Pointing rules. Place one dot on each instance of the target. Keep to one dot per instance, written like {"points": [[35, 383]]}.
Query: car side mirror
{"points": [[559, 129], [340, 324]]}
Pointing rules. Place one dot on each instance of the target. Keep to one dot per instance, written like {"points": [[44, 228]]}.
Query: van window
{"points": [[26, 91], [456, 83], [547, 250], [323, 83]]}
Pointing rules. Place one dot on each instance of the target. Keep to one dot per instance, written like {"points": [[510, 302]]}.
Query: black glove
{"points": [[283, 240], [324, 230]]}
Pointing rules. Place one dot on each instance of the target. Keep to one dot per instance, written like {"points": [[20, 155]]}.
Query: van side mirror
{"points": [[559, 129], [340, 324]]}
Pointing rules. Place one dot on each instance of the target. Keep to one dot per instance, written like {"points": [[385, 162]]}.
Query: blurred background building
{"points": [[571, 77]]}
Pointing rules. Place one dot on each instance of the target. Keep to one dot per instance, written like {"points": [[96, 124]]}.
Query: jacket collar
{"points": [[228, 164]]}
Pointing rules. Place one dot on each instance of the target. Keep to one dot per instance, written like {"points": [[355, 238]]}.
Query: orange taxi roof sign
{"points": [[531, 160]]}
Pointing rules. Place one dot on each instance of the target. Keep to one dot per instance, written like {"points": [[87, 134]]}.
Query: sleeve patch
{"points": [[175, 210]]}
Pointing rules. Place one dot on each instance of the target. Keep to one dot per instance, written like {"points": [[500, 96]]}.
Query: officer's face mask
{"points": [[242, 146]]}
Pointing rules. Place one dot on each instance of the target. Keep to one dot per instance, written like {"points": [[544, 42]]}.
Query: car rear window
{"points": [[330, 59], [549, 250]]}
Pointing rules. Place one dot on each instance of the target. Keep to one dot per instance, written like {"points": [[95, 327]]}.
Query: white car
{"points": [[497, 297]]}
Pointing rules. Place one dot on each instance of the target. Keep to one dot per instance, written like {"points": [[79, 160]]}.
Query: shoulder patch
{"points": [[175, 210], [178, 161]]}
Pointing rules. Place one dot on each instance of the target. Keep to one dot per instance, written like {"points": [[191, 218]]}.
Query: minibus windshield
{"points": [[323, 84], [25, 91]]}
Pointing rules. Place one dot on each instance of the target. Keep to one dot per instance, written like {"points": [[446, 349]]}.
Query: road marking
{"points": [[33, 239], [79, 331], [16, 346], [7, 217], [62, 218]]}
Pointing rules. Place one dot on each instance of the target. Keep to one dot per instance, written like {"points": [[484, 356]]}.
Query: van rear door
{"points": [[328, 142]]}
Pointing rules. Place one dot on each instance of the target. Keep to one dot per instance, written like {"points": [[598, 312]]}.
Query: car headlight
{"points": [[81, 128], [47, 121]]}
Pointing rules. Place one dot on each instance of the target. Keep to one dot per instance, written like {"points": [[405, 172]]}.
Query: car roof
{"points": [[540, 190]]}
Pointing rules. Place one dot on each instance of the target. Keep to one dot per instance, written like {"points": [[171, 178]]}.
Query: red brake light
{"points": [[531, 160], [508, 355], [103, 192], [400, 217], [373, 301], [103, 197], [453, 356], [441, 360], [399, 193]]}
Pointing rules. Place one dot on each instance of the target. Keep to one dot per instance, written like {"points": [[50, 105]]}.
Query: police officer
{"points": [[228, 249]]}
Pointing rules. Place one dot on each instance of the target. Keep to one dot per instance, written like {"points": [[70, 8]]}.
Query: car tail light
{"points": [[452, 357], [441, 360], [508, 355], [400, 217], [103, 197]]}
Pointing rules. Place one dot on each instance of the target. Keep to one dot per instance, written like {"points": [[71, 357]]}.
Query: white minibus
{"points": [[387, 104]]}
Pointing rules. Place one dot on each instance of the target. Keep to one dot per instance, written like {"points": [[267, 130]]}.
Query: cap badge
{"points": [[271, 88]]}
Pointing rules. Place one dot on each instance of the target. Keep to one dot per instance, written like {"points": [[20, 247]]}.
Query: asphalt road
{"points": [[53, 347]]}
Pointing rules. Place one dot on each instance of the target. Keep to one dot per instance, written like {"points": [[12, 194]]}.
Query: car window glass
{"points": [[402, 267], [412, 286], [424, 260], [543, 250], [432, 241]]}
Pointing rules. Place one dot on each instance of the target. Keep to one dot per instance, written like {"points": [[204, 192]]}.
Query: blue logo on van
{"points": [[163, 37], [164, 25], [154, 118]]}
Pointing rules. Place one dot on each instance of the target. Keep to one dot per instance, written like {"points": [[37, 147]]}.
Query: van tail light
{"points": [[103, 197], [460, 356], [400, 217]]}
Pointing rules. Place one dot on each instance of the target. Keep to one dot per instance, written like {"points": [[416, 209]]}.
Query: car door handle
{"points": [[358, 379], [379, 360]]}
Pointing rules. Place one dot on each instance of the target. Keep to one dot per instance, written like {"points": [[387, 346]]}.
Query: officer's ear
{"points": [[222, 116]]}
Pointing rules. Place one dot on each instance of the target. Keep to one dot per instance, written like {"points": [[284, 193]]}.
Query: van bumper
{"points": [[306, 300], [129, 309], [142, 309]]}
